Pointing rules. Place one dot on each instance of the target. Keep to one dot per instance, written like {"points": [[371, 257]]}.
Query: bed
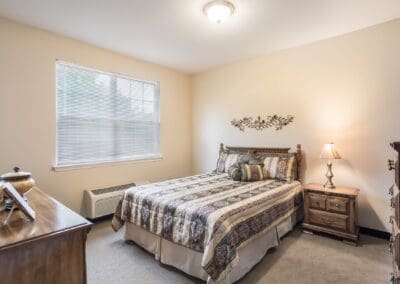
{"points": [[210, 226]]}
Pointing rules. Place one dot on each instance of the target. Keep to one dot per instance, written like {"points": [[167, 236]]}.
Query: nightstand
{"points": [[332, 211]]}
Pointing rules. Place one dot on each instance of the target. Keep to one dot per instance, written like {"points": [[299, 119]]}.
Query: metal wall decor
{"points": [[259, 124]]}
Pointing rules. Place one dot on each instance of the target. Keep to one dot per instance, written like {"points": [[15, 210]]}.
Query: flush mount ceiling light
{"points": [[218, 10]]}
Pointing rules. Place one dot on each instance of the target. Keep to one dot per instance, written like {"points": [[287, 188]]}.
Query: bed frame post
{"points": [[299, 158], [221, 147]]}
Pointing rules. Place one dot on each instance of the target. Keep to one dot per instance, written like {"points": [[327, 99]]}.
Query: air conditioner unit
{"points": [[104, 201]]}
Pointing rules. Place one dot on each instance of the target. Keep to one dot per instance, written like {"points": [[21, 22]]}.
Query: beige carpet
{"points": [[301, 258]]}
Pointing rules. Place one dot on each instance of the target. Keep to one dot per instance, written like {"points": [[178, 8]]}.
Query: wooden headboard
{"points": [[299, 154]]}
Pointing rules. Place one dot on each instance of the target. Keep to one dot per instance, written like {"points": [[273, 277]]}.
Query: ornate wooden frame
{"points": [[299, 154]]}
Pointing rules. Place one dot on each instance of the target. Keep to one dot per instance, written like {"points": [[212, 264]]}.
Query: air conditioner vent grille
{"points": [[112, 189]]}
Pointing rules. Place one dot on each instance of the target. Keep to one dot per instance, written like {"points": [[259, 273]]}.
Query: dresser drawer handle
{"points": [[390, 219], [391, 190], [391, 241], [392, 202], [391, 278], [391, 164]]}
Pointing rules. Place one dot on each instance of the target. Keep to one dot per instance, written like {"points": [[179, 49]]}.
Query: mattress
{"points": [[210, 214]]}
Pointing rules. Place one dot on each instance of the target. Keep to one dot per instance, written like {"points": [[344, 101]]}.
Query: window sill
{"points": [[143, 159]]}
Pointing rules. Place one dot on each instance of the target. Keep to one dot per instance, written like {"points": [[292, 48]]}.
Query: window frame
{"points": [[131, 160]]}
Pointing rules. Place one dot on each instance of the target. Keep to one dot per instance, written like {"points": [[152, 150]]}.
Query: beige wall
{"points": [[345, 90], [27, 112]]}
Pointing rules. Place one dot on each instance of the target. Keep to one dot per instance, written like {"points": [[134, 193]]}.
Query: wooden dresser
{"points": [[49, 250], [331, 210], [394, 218]]}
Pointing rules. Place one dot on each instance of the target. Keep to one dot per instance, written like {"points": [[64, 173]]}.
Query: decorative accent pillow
{"points": [[249, 158], [251, 172], [231, 160], [236, 158], [234, 172], [280, 166], [223, 156]]}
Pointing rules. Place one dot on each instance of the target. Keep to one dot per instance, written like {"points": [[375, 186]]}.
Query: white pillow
{"points": [[230, 160]]}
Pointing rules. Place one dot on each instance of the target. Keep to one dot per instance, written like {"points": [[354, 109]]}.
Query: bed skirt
{"points": [[189, 261]]}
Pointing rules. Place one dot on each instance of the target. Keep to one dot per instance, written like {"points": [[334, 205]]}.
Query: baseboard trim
{"points": [[375, 233]]}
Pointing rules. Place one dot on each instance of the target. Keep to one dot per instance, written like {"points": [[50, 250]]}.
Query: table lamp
{"points": [[329, 152]]}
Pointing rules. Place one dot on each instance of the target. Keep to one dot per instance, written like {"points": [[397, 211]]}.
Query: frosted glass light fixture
{"points": [[218, 10]]}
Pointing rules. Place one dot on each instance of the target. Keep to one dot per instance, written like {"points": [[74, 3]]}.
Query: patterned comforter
{"points": [[209, 213]]}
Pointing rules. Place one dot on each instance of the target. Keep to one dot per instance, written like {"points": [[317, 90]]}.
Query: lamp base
{"points": [[327, 185], [329, 176]]}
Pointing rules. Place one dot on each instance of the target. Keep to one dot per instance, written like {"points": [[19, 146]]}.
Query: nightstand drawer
{"points": [[338, 204], [327, 219], [317, 201]]}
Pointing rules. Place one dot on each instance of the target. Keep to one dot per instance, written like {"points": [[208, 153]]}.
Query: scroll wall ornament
{"points": [[259, 124]]}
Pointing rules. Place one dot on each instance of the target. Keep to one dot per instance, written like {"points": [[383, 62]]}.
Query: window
{"points": [[104, 117]]}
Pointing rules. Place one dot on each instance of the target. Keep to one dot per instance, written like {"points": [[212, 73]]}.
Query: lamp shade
{"points": [[329, 152]]}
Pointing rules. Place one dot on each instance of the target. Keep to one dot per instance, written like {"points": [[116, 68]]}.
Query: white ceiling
{"points": [[176, 33]]}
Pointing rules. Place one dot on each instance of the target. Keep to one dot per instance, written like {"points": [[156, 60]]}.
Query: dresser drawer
{"points": [[327, 219], [337, 204], [317, 201]]}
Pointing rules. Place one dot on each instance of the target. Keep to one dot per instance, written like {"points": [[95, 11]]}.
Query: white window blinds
{"points": [[104, 117]]}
